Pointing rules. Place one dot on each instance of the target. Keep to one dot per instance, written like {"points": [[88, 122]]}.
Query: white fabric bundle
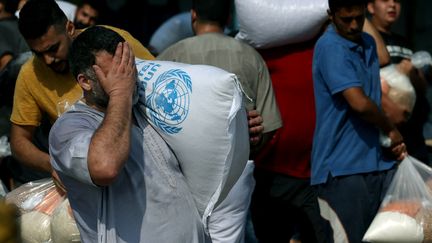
{"points": [[198, 111], [400, 89], [271, 23]]}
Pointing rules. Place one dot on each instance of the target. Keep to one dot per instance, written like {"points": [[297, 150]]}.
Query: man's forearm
{"points": [[109, 147], [26, 152]]}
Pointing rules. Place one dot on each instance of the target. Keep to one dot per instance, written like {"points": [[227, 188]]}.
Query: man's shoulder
{"points": [[28, 69]]}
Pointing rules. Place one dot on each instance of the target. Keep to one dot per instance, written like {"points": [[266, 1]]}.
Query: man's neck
{"points": [[208, 28]]}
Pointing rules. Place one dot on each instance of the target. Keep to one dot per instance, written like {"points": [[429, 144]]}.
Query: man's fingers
{"points": [[99, 73], [256, 129], [125, 58], [253, 113], [118, 54]]}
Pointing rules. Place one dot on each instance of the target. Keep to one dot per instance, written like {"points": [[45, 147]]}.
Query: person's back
{"points": [[211, 47], [225, 52]]}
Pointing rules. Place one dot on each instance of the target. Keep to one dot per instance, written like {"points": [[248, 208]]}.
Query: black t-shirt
{"points": [[397, 46]]}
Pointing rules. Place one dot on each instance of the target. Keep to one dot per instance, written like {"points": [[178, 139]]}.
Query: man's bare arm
{"points": [[369, 111], [110, 144], [25, 151]]}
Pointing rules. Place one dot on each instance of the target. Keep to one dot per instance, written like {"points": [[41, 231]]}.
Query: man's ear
{"points": [[70, 28], [370, 8], [84, 82], [194, 15], [194, 18]]}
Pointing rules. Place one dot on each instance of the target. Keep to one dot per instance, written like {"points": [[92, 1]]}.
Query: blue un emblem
{"points": [[170, 100]]}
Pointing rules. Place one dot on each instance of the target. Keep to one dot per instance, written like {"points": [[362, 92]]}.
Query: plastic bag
{"points": [[405, 214], [398, 87], [40, 203], [4, 147]]}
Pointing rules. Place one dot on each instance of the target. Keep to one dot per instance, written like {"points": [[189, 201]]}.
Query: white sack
{"points": [[271, 23], [394, 227], [198, 111]]}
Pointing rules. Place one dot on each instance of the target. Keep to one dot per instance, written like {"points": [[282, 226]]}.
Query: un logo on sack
{"points": [[170, 100]]}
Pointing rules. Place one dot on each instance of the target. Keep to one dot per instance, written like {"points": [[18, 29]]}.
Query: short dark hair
{"points": [[87, 44], [335, 5], [213, 10], [37, 16], [10, 6]]}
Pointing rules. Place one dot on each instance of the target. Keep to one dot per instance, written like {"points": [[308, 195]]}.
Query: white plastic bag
{"points": [[405, 214], [4, 147], [38, 203], [398, 87], [270, 23]]}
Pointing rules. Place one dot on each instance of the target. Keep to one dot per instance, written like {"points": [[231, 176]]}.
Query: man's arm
{"points": [[369, 111], [110, 144], [25, 151], [383, 55], [4, 60]]}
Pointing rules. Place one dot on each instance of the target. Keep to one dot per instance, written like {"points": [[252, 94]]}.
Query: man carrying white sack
{"points": [[211, 47], [348, 167], [124, 183]]}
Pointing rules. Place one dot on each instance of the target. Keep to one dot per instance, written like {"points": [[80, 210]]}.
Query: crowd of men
{"points": [[318, 170]]}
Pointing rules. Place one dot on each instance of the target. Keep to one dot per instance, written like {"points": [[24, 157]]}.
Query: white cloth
{"points": [[227, 222]]}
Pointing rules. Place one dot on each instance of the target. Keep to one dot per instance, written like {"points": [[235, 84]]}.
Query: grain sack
{"points": [[198, 111], [63, 227], [270, 23]]}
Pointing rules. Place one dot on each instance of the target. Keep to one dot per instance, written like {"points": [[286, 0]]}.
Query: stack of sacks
{"points": [[406, 211], [38, 203], [398, 87], [271, 23], [198, 111]]}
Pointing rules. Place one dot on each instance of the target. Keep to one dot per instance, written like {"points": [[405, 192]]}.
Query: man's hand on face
{"points": [[120, 75]]}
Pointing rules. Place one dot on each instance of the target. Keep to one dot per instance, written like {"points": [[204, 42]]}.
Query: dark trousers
{"points": [[349, 203], [283, 207]]}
